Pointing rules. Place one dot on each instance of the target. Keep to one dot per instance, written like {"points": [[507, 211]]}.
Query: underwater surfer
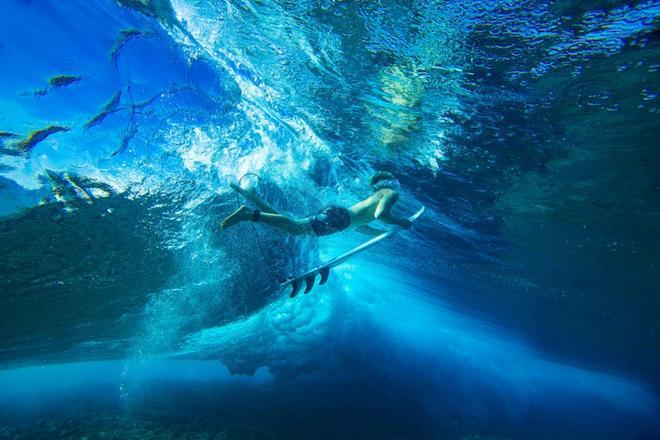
{"points": [[334, 218]]}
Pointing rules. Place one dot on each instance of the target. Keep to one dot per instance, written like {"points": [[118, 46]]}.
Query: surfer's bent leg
{"points": [[279, 221], [291, 225]]}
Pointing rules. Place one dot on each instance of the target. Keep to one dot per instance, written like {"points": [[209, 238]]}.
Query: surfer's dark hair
{"points": [[381, 175], [384, 179]]}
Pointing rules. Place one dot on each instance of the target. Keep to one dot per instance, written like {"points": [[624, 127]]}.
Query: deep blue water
{"points": [[523, 304]]}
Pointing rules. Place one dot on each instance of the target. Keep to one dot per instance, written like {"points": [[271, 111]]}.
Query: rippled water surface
{"points": [[523, 304]]}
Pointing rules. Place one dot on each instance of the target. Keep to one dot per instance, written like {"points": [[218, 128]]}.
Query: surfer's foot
{"points": [[240, 215]]}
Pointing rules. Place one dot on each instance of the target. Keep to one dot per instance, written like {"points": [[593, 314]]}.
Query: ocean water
{"points": [[523, 304]]}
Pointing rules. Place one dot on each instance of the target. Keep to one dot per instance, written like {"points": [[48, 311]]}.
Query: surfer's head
{"points": [[384, 179]]}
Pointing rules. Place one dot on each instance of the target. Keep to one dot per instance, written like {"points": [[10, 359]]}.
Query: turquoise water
{"points": [[523, 303]]}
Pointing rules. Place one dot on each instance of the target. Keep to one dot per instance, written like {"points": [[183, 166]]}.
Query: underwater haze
{"points": [[523, 304]]}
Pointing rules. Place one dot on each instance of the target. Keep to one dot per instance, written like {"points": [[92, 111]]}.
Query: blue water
{"points": [[522, 304]]}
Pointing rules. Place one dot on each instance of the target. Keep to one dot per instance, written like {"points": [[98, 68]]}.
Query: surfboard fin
{"points": [[325, 273], [295, 287], [309, 282]]}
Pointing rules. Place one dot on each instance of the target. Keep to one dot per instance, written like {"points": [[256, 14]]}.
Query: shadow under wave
{"points": [[114, 276]]}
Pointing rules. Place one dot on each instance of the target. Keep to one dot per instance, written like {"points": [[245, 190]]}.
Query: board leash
{"points": [[257, 239]]}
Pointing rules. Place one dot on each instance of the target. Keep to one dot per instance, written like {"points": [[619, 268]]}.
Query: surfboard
{"points": [[309, 277]]}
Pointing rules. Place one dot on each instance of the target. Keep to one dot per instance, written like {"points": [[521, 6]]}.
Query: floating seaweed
{"points": [[6, 135], [37, 136], [132, 127], [146, 102], [160, 9], [74, 190], [126, 136], [56, 82], [125, 36], [63, 80], [144, 6], [108, 108], [66, 188]]}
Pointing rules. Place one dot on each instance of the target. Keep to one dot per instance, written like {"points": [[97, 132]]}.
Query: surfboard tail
{"points": [[309, 277]]}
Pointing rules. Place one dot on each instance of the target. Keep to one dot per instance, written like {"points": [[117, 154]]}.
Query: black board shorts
{"points": [[330, 220]]}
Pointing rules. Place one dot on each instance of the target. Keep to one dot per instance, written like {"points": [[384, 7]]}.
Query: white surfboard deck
{"points": [[324, 269]]}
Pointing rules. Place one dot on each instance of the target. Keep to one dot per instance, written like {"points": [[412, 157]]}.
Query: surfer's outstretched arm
{"points": [[251, 196]]}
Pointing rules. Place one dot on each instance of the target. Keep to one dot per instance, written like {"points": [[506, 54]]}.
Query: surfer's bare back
{"points": [[334, 218]]}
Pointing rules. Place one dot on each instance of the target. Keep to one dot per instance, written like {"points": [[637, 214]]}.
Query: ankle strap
{"points": [[255, 215]]}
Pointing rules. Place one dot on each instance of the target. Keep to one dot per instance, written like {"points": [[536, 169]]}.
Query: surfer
{"points": [[334, 218]]}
